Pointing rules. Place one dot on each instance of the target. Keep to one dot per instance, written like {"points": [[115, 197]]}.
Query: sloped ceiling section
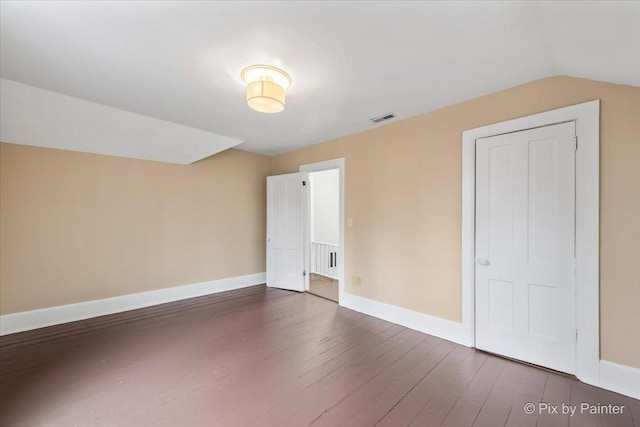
{"points": [[349, 60], [32, 116]]}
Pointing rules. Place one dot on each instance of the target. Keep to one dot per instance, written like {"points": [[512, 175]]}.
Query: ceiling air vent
{"points": [[382, 118]]}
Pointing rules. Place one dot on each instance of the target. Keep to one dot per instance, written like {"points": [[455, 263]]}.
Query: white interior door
{"points": [[285, 231], [525, 217]]}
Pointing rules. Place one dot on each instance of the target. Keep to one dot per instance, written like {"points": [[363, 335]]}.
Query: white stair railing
{"points": [[324, 259]]}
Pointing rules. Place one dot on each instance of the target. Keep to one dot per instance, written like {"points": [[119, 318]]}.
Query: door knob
{"points": [[482, 261]]}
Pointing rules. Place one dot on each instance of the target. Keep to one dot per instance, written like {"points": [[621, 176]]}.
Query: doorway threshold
{"points": [[323, 287]]}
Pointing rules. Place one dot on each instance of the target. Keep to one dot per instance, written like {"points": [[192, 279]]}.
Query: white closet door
{"points": [[285, 231], [525, 217]]}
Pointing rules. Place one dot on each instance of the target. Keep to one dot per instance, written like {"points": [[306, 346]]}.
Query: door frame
{"points": [[587, 119], [318, 167]]}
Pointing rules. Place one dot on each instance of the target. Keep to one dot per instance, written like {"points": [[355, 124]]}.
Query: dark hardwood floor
{"points": [[266, 357], [324, 287]]}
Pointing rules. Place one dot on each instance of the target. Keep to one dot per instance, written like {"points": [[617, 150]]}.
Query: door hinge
{"points": [[575, 335], [304, 183], [304, 273], [575, 139]]}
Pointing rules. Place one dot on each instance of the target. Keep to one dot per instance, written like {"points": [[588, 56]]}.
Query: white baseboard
{"points": [[619, 378], [436, 326], [27, 320]]}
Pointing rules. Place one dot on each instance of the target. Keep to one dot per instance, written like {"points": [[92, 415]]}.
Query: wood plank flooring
{"points": [[267, 357], [324, 287]]}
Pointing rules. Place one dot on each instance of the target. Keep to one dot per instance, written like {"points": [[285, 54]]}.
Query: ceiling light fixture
{"points": [[266, 86]]}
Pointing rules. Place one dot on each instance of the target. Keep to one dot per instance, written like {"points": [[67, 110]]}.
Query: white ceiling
{"points": [[350, 61]]}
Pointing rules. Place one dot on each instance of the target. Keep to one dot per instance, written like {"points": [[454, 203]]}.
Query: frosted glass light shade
{"points": [[265, 96], [266, 87]]}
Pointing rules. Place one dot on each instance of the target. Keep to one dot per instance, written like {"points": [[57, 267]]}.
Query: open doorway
{"points": [[289, 236], [324, 233], [336, 262]]}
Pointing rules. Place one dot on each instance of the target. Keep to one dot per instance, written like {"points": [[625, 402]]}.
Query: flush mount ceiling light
{"points": [[266, 86]]}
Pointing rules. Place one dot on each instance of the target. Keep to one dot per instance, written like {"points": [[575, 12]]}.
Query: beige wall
{"points": [[403, 191], [77, 227]]}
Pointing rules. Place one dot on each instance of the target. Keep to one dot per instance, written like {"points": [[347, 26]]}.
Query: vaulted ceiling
{"points": [[350, 61]]}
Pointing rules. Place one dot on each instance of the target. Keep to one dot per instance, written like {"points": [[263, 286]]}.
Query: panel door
{"points": [[525, 227], [285, 231]]}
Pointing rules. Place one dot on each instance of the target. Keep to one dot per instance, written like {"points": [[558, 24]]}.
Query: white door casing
{"points": [[589, 367], [525, 232], [285, 231]]}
